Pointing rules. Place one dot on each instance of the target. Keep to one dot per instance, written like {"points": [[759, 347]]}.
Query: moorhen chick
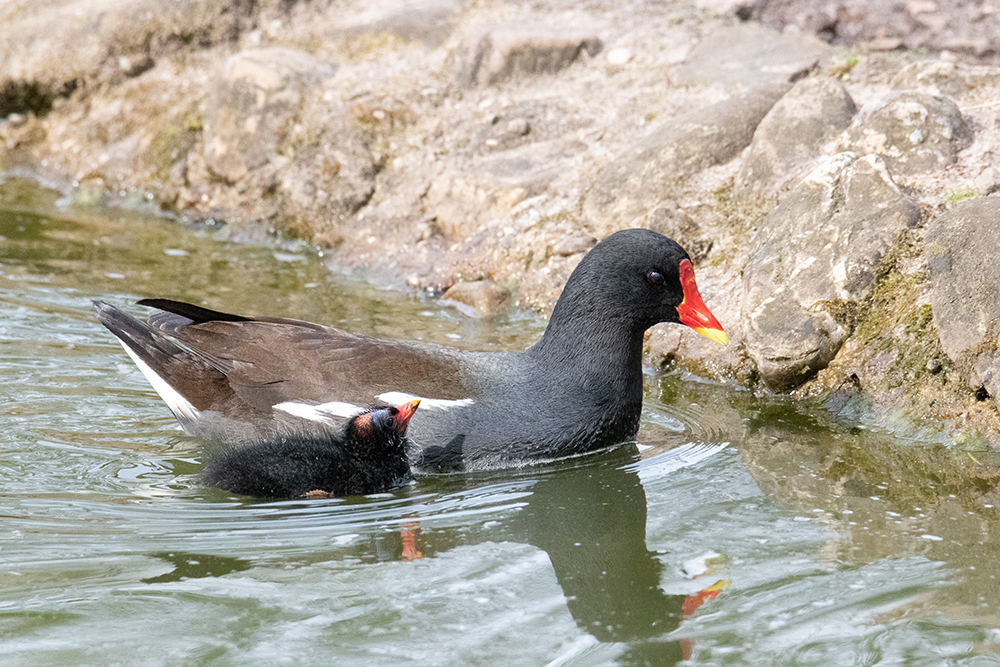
{"points": [[369, 456]]}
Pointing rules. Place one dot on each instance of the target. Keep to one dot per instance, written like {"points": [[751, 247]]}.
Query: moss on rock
{"points": [[171, 144], [895, 362]]}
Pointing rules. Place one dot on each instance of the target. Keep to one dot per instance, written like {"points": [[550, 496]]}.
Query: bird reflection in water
{"points": [[590, 518], [588, 515]]}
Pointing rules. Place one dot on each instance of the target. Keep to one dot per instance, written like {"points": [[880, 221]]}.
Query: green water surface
{"points": [[833, 543]]}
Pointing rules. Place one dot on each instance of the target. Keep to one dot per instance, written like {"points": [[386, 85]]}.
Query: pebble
{"points": [[571, 245], [518, 126], [619, 56], [988, 181], [481, 298]]}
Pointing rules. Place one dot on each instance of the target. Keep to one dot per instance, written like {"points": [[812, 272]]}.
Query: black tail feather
{"points": [[196, 314]]}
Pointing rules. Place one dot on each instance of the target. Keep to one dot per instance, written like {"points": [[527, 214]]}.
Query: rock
{"points": [[511, 127], [60, 46], [913, 132], [677, 148], [427, 21], [518, 127], [849, 21], [619, 56], [812, 259], [934, 77], [962, 26], [16, 120], [574, 244], [884, 44], [481, 298], [249, 111], [750, 55], [329, 182], [741, 8], [491, 186], [284, 147], [962, 247], [793, 133], [533, 165], [987, 369], [504, 54], [988, 181], [669, 219]]}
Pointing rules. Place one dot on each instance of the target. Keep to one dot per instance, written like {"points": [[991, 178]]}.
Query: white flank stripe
{"points": [[399, 397], [179, 405], [324, 412]]}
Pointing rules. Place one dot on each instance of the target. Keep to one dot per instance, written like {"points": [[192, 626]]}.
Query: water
{"points": [[830, 543]]}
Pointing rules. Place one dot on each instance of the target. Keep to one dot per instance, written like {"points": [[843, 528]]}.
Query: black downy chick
{"points": [[369, 456]]}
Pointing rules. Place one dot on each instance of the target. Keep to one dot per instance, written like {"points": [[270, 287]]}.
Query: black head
{"points": [[639, 277], [380, 429]]}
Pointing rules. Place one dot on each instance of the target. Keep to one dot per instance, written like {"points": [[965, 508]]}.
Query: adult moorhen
{"points": [[369, 456], [229, 377]]}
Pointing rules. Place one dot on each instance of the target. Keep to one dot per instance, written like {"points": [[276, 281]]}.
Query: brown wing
{"points": [[271, 360]]}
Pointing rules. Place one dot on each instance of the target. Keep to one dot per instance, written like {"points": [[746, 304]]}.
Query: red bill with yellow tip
{"points": [[403, 414], [693, 312]]}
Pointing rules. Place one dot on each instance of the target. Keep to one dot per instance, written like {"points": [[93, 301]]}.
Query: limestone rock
{"points": [[251, 108], [477, 299], [913, 132], [460, 200], [427, 21], [812, 259], [669, 219], [959, 26], [987, 369], [988, 181], [750, 55], [962, 248], [61, 45], [935, 77], [395, 170], [814, 112], [677, 148], [741, 8], [619, 56], [283, 142], [507, 53], [574, 244], [329, 182]]}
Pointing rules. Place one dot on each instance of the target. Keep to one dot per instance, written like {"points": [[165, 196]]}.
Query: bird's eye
{"points": [[655, 278]]}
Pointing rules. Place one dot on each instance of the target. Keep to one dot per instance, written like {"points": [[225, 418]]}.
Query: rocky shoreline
{"points": [[828, 165]]}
